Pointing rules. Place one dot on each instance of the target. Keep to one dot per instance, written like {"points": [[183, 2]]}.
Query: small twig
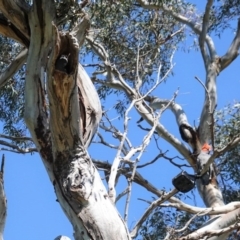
{"points": [[151, 162], [104, 142], [199, 80], [144, 200], [123, 193], [16, 138], [159, 81], [127, 200], [188, 223], [146, 129]]}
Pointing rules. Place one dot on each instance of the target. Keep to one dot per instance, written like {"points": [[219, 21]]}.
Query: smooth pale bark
{"points": [[63, 126], [206, 120], [211, 194], [62, 136]]}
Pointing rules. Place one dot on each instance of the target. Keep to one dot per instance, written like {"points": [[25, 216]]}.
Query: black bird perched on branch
{"points": [[61, 63]]}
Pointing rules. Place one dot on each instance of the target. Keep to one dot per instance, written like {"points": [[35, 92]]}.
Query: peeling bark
{"points": [[64, 119], [62, 122], [16, 13]]}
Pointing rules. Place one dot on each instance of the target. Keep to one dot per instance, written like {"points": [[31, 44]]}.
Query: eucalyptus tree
{"points": [[46, 91]]}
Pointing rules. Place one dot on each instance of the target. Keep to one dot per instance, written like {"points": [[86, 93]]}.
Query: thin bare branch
{"points": [[160, 155], [202, 211], [187, 223], [102, 141], [193, 25], [117, 159], [15, 148], [211, 233], [123, 193], [126, 209], [112, 72], [199, 80], [145, 143], [160, 80], [138, 82], [149, 210], [16, 138]]}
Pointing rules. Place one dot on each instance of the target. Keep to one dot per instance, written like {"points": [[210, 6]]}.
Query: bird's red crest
{"points": [[206, 147]]}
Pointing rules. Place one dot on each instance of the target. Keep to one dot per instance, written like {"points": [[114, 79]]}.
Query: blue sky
{"points": [[33, 212]]}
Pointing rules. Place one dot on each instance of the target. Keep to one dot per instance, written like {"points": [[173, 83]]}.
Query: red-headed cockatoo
{"points": [[202, 159]]}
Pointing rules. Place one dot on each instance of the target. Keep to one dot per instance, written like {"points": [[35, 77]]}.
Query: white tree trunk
{"points": [[64, 129]]}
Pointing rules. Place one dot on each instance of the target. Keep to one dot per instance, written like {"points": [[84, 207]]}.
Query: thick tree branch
{"points": [[80, 31], [35, 113], [16, 12], [15, 65], [11, 31], [210, 102], [217, 228], [188, 133], [203, 211], [203, 33], [205, 22], [232, 52], [141, 107]]}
